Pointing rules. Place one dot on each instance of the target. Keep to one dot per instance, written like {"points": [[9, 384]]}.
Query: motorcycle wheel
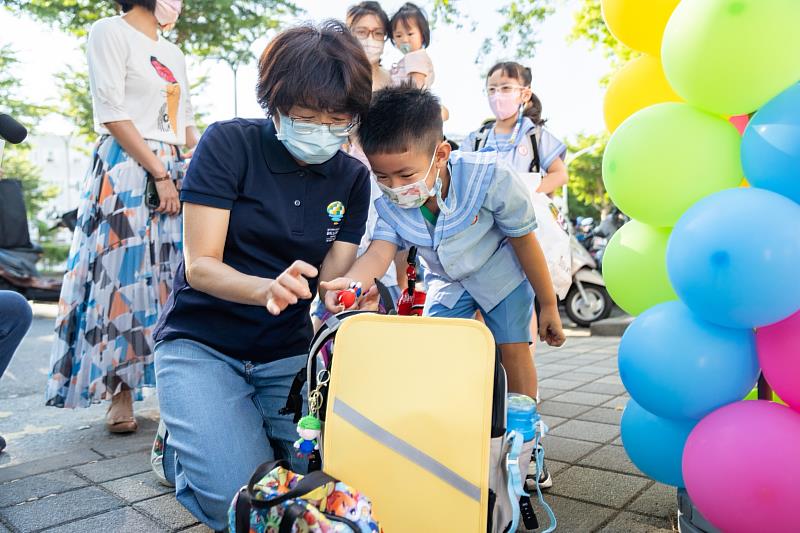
{"points": [[584, 313]]}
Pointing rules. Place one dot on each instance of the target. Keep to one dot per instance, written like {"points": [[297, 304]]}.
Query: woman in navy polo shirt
{"points": [[270, 206]]}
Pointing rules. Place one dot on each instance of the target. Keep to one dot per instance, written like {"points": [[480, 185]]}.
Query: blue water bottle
{"points": [[521, 415]]}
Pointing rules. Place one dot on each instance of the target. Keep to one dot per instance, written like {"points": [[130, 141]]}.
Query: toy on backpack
{"points": [[348, 297], [309, 429], [412, 301]]}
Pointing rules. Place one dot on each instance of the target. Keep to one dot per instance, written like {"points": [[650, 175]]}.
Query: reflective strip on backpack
{"points": [[398, 445]]}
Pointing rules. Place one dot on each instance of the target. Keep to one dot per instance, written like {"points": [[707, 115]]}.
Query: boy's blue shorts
{"points": [[509, 321]]}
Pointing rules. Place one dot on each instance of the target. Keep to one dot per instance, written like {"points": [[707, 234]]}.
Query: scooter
{"points": [[18, 255], [587, 300], [603, 233]]}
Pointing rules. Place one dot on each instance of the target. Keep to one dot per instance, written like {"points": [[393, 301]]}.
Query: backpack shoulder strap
{"points": [[536, 161], [483, 134]]}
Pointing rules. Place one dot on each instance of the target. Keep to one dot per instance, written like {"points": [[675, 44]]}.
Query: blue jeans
{"points": [[15, 319], [222, 421]]}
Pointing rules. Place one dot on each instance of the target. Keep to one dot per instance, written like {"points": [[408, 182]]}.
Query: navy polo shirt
{"points": [[279, 212]]}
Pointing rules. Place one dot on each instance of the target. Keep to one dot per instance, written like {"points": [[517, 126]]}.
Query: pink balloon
{"points": [[741, 467], [778, 348], [740, 121]]}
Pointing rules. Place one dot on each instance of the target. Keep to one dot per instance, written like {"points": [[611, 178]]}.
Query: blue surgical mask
{"points": [[313, 148]]}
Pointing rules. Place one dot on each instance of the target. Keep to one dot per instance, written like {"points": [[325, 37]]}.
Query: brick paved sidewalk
{"points": [[110, 488]]}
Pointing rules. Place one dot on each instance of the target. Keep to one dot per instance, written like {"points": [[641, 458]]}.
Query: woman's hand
{"points": [[170, 203], [550, 330], [290, 287]]}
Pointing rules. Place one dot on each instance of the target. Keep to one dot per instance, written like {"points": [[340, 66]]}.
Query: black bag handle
{"points": [[290, 516], [243, 511], [312, 481], [535, 162]]}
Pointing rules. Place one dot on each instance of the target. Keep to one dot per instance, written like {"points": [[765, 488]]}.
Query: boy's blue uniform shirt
{"points": [[468, 250]]}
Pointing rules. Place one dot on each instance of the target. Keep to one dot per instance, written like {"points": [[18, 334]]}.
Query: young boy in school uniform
{"points": [[471, 220]]}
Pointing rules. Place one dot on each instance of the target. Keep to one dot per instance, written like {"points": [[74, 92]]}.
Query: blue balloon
{"points": [[771, 145], [676, 365], [654, 444], [734, 258]]}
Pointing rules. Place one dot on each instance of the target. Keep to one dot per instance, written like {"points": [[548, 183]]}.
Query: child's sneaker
{"points": [[545, 479], [157, 455]]}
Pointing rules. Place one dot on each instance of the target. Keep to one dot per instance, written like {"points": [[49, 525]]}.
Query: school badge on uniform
{"points": [[336, 211]]}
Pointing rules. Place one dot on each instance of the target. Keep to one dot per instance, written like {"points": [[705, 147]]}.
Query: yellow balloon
{"points": [[639, 24], [639, 84]]}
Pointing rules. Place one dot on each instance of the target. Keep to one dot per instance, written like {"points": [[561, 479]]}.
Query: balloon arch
{"points": [[710, 262]]}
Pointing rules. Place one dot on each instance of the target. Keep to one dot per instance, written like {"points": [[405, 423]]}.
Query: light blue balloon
{"points": [[654, 444], [676, 365], [771, 145], [734, 258]]}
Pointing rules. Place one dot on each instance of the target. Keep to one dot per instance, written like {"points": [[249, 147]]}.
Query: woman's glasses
{"points": [[304, 126], [366, 33]]}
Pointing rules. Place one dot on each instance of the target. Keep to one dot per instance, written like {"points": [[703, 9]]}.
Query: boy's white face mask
{"points": [[414, 195]]}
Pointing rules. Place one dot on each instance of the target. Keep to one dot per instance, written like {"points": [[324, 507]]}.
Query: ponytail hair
{"points": [[512, 69]]}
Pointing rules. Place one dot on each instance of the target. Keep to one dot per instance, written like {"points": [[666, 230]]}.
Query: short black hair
{"points": [[127, 5], [411, 13], [401, 119], [320, 67], [362, 9]]}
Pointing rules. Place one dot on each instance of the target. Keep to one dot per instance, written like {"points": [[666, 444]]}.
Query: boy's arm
{"points": [[367, 268], [338, 260], [532, 260]]}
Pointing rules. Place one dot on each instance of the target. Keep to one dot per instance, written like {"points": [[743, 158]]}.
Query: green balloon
{"points": [[732, 56], [666, 157], [635, 267]]}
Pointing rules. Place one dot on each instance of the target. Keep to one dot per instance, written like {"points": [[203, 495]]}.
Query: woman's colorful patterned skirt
{"points": [[119, 274]]}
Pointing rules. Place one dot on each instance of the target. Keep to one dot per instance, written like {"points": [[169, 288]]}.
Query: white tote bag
{"points": [[553, 235]]}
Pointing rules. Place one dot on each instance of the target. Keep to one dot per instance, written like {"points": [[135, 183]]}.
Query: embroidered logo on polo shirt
{"points": [[336, 211]]}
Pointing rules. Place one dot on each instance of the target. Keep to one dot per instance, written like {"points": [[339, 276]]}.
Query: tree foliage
{"points": [[76, 100], [586, 173], [517, 35], [222, 29], [589, 26], [16, 163], [12, 101]]}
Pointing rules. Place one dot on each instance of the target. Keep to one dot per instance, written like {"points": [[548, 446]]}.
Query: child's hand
{"points": [[550, 330], [331, 297], [368, 301]]}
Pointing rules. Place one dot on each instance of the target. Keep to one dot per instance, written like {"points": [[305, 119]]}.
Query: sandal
{"points": [[119, 417]]}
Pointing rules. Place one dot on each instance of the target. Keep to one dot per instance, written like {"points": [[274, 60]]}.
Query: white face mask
{"points": [[373, 49], [414, 195]]}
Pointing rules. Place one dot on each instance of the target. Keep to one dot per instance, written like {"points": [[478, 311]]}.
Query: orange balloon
{"points": [[639, 24], [639, 84]]}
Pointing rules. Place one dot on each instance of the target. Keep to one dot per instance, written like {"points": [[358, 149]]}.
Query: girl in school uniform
{"points": [[518, 132]]}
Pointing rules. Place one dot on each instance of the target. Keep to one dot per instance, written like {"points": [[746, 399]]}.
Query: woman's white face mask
{"points": [[167, 12], [373, 49]]}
